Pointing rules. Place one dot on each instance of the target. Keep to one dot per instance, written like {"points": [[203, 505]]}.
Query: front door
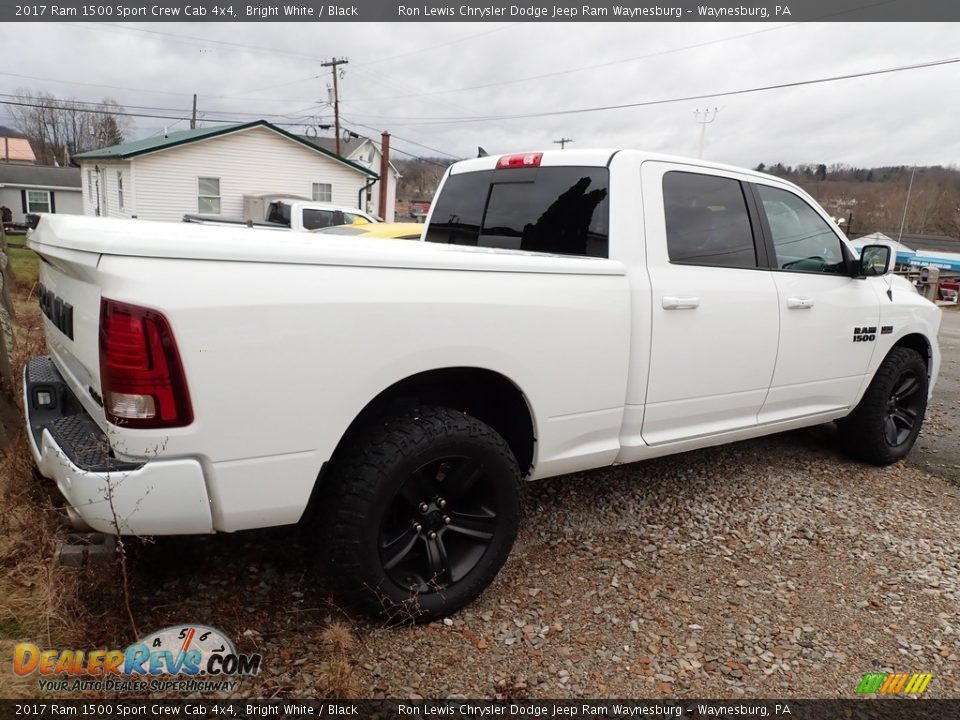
{"points": [[828, 320]]}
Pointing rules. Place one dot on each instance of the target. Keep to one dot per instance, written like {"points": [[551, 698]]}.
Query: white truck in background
{"points": [[566, 310], [280, 212]]}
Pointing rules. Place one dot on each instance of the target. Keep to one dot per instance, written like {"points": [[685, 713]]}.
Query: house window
{"points": [[38, 201], [323, 192], [208, 195], [120, 188]]}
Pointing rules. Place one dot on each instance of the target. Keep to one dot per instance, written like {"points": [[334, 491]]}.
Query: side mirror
{"points": [[875, 260]]}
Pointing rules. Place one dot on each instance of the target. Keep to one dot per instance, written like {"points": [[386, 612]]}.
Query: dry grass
{"points": [[38, 601], [337, 677], [58, 608]]}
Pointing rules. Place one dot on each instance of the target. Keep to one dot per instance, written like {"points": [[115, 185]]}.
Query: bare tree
{"points": [[420, 177], [60, 128]]}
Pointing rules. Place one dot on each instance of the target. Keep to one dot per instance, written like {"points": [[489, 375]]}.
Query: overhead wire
{"points": [[664, 101]]}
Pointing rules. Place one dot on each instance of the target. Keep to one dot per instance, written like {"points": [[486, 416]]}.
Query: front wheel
{"points": [[884, 426], [423, 511]]}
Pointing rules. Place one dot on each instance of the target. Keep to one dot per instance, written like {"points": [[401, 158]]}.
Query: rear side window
{"points": [[314, 219], [707, 221], [561, 210], [279, 213]]}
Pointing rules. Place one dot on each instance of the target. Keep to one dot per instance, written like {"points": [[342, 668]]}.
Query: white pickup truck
{"points": [[294, 214], [566, 310]]}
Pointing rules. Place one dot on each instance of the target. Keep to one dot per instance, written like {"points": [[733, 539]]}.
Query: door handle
{"points": [[672, 302], [800, 303]]}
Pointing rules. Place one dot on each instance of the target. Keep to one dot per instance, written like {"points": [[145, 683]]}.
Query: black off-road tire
{"points": [[437, 480], [884, 426]]}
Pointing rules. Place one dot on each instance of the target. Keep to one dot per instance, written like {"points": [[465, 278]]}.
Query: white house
{"points": [[209, 170], [27, 189], [366, 152]]}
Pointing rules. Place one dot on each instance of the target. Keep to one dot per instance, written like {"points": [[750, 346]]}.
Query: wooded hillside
{"points": [[872, 199]]}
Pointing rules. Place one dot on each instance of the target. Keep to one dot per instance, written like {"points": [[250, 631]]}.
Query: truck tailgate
{"points": [[69, 296]]}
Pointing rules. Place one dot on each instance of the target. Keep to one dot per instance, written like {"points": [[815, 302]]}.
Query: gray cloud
{"points": [[247, 70]]}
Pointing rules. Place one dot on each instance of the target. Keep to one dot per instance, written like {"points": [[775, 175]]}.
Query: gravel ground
{"points": [[774, 567], [938, 448]]}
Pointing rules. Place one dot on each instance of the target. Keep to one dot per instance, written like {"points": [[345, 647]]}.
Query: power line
{"points": [[203, 40], [584, 68], [406, 140], [575, 111], [90, 105], [120, 113], [630, 59], [440, 45], [665, 101]]}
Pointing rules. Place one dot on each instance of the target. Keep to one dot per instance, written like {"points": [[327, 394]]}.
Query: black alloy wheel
{"points": [[439, 525], [904, 409], [885, 424], [422, 512]]}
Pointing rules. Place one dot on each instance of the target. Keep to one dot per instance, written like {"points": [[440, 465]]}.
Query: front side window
{"points": [[803, 240], [323, 192], [38, 201], [559, 210], [208, 195], [354, 219], [707, 221]]}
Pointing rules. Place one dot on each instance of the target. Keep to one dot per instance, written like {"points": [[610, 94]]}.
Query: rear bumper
{"points": [[155, 497]]}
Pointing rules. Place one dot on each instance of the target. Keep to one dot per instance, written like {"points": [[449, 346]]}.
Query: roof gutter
{"points": [[41, 187]]}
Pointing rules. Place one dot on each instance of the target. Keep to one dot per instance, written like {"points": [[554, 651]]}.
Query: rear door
{"points": [[828, 319], [714, 304]]}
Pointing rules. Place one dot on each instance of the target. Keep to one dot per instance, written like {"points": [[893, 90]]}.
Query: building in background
{"points": [[15, 147], [31, 189], [210, 170], [365, 152]]}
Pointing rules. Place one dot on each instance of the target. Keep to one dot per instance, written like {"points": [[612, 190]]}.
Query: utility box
{"points": [[929, 282]]}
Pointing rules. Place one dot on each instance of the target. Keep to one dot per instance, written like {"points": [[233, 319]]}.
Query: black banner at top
{"points": [[646, 709], [481, 11]]}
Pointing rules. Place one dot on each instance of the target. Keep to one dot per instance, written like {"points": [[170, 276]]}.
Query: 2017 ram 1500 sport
{"points": [[567, 310]]}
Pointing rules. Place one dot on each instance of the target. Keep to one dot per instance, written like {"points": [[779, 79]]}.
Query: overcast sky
{"points": [[409, 79]]}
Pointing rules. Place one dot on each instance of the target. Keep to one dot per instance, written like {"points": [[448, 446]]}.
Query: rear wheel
{"points": [[884, 426], [423, 511]]}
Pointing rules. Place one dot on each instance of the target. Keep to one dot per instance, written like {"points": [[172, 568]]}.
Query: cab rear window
{"points": [[560, 210]]}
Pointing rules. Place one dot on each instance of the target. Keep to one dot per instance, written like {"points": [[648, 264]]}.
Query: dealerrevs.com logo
{"points": [[894, 683], [187, 658]]}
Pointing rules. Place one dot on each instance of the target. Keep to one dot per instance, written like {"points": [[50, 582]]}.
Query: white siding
{"points": [[257, 161], [103, 174]]}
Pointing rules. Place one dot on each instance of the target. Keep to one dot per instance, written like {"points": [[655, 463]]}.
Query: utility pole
{"points": [[708, 117], [193, 117], [906, 204], [562, 142], [332, 63]]}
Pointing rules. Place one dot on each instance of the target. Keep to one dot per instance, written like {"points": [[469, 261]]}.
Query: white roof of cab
{"points": [[601, 157]]}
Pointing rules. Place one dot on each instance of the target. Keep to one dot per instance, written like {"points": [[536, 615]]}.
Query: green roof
{"points": [[184, 137]]}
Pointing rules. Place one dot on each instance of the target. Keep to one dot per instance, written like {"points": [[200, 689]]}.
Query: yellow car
{"points": [[394, 231]]}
